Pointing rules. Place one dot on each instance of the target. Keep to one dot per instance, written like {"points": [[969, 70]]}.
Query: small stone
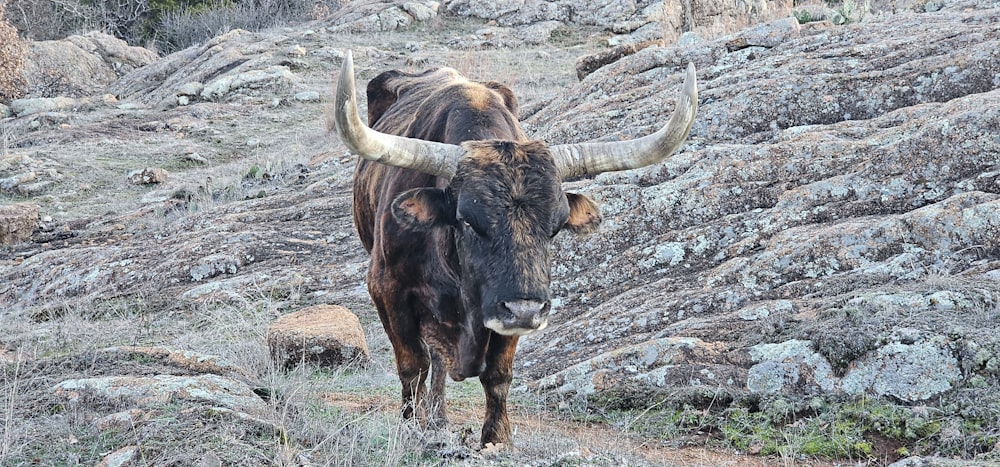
{"points": [[120, 458], [307, 96], [147, 176], [154, 125], [214, 265], [690, 38], [119, 420], [191, 88], [196, 158], [420, 12]]}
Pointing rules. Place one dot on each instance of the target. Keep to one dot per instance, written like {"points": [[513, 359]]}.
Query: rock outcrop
{"points": [[838, 184], [380, 16], [80, 65], [231, 66]]}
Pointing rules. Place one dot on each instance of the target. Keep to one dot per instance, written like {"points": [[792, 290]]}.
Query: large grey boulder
{"points": [[233, 65], [520, 12], [80, 65]]}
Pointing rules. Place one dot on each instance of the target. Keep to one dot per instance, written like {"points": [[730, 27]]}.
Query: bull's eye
{"points": [[467, 226], [465, 223]]}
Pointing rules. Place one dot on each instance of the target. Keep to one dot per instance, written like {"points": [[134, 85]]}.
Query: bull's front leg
{"points": [[496, 384]]}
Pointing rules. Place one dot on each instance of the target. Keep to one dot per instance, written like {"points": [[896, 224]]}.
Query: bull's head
{"points": [[504, 201]]}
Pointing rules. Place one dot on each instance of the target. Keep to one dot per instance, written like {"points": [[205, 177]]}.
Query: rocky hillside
{"points": [[823, 252]]}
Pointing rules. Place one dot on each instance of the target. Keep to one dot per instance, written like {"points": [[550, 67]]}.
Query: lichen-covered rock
{"points": [[659, 363], [908, 372], [120, 457], [519, 12], [587, 64], [716, 18], [185, 360], [329, 335], [159, 389], [380, 16], [789, 367], [635, 21], [214, 265], [275, 77]]}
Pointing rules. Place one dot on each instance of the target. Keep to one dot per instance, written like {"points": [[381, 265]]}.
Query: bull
{"points": [[457, 208]]}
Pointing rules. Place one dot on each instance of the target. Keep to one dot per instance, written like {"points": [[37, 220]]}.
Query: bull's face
{"points": [[504, 206]]}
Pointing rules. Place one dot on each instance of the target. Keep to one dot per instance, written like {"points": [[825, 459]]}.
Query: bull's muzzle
{"points": [[519, 317]]}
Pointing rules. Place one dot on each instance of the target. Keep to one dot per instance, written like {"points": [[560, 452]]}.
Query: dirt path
{"points": [[588, 442]]}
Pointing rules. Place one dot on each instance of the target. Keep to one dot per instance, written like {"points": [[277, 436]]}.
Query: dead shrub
{"points": [[12, 52], [183, 28]]}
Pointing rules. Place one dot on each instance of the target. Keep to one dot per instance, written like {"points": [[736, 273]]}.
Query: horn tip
{"points": [[691, 80], [348, 62]]}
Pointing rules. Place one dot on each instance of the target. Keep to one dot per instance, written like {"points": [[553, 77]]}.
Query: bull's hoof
{"points": [[438, 439], [492, 449]]}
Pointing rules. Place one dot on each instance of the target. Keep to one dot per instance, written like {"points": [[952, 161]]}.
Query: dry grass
{"points": [[317, 416]]}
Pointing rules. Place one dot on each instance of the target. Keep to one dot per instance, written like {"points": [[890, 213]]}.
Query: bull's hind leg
{"points": [[412, 366], [413, 359], [496, 384]]}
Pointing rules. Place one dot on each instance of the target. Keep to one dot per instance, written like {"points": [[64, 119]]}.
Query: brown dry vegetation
{"points": [[12, 52]]}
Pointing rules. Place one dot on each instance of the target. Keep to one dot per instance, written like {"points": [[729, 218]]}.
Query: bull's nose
{"points": [[520, 317], [526, 308]]}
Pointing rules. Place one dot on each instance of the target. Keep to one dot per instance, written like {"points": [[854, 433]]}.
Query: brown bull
{"points": [[458, 208]]}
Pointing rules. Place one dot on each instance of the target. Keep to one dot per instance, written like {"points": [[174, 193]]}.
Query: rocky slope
{"points": [[829, 231]]}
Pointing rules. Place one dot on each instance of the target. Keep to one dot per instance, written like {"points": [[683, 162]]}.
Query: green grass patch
{"points": [[861, 428]]}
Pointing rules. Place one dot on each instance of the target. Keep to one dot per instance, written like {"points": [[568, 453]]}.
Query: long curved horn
{"points": [[429, 157], [574, 161]]}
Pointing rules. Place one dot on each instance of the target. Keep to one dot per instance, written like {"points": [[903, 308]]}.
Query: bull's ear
{"points": [[584, 214], [423, 208], [380, 96]]}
